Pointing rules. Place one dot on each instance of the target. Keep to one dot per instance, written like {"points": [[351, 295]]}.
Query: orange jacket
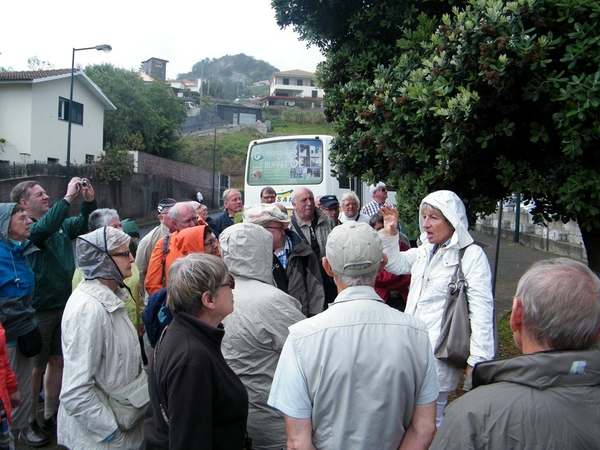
{"points": [[181, 243]]}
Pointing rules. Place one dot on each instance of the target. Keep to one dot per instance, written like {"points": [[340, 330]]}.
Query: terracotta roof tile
{"points": [[32, 75]]}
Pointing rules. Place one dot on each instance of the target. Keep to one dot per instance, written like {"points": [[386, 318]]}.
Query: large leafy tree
{"points": [[148, 117], [490, 98]]}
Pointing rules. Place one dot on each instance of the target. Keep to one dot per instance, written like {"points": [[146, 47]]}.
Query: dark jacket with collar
{"points": [[204, 400], [221, 222], [302, 277]]}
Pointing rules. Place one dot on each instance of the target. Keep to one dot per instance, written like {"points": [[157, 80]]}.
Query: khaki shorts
{"points": [[49, 322]]}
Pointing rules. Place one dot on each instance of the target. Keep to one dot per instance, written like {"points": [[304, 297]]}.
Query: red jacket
{"points": [[386, 282], [8, 381]]}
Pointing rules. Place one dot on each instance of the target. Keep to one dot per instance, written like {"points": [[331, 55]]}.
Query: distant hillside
{"points": [[231, 76]]}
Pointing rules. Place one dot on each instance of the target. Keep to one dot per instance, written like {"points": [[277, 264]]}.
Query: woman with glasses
{"points": [[100, 346], [196, 400]]}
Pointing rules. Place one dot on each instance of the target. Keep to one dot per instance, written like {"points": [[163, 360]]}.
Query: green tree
{"points": [[491, 98], [148, 117]]}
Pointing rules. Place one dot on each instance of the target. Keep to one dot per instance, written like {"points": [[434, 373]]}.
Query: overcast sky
{"points": [[181, 32]]}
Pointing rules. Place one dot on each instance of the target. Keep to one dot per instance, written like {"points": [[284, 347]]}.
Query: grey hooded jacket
{"points": [[258, 327]]}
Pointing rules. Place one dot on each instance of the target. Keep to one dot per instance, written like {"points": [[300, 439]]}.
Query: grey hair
{"points": [[350, 196], [227, 192], [297, 190], [192, 276], [174, 211], [561, 304], [367, 279], [101, 217]]}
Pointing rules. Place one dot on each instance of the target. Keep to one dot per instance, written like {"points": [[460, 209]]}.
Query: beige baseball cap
{"points": [[354, 248]]}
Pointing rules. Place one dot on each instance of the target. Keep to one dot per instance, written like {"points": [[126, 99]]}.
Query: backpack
{"points": [[156, 315]]}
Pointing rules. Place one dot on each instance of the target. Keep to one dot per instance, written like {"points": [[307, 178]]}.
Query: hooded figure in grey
{"points": [[258, 327], [92, 254]]}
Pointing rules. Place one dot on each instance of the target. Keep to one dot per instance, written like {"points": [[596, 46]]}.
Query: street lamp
{"points": [[105, 48]]}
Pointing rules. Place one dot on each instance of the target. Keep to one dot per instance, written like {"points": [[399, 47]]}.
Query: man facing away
{"points": [[232, 203], [379, 193], [257, 328], [296, 270], [51, 231], [549, 397], [360, 375]]}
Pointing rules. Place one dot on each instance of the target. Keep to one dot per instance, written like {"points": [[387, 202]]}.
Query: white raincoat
{"points": [[100, 349], [258, 327], [430, 278]]}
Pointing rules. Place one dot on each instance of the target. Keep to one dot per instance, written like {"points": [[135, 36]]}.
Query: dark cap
{"points": [[329, 200], [165, 202]]}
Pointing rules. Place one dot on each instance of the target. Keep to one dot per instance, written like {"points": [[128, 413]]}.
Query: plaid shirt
{"points": [[283, 255], [372, 208]]}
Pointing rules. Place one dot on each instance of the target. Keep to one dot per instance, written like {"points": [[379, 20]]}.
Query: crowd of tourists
{"points": [[318, 328]]}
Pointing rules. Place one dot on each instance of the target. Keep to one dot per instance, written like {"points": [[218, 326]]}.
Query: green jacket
{"points": [[54, 264]]}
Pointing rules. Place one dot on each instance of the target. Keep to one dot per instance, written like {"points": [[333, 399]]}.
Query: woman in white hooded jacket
{"points": [[444, 227]]}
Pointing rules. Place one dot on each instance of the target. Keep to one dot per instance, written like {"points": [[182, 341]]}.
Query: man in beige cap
{"points": [[360, 374], [295, 267]]}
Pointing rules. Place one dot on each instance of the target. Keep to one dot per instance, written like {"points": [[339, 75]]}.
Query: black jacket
{"points": [[204, 400]]}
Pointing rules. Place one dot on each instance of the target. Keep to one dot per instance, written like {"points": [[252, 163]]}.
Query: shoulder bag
{"points": [[452, 346]]}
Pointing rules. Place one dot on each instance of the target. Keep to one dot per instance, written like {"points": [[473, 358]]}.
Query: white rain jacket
{"points": [[430, 278], [258, 327], [101, 353]]}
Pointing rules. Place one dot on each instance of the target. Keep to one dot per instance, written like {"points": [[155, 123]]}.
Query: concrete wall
{"points": [[557, 237]]}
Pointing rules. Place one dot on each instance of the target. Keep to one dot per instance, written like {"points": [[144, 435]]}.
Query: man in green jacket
{"points": [[52, 231]]}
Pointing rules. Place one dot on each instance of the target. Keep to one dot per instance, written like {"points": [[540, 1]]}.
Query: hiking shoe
{"points": [[48, 425], [34, 436]]}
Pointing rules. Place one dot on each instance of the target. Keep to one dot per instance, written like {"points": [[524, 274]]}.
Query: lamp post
{"points": [[105, 48]]}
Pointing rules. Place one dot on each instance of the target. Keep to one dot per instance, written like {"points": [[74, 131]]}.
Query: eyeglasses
{"points": [[269, 197], [230, 283], [125, 254]]}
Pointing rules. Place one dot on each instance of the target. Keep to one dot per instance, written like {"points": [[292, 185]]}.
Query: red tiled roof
{"points": [[33, 75]]}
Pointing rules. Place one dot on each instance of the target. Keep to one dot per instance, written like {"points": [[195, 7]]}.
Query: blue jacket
{"points": [[17, 280]]}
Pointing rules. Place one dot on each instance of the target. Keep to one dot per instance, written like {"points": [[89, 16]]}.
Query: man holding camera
{"points": [[51, 231]]}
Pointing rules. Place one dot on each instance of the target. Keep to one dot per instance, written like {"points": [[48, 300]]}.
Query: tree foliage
{"points": [[489, 98], [113, 165], [148, 117]]}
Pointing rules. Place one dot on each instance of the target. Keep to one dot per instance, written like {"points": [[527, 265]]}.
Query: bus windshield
{"points": [[291, 162]]}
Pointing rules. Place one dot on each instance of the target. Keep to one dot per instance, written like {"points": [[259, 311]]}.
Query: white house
{"points": [[34, 108], [288, 86]]}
